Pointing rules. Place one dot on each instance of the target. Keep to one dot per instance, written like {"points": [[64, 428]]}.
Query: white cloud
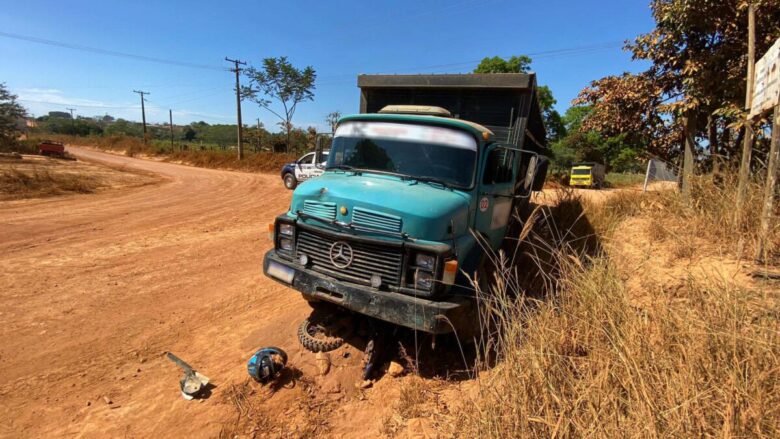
{"points": [[51, 96]]}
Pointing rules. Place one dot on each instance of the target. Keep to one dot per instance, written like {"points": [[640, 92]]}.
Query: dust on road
{"points": [[95, 288]]}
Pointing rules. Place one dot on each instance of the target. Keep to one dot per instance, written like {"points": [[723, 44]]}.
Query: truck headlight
{"points": [[286, 244], [286, 229], [426, 262], [423, 280]]}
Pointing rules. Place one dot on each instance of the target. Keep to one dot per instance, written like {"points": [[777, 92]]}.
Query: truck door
{"points": [[496, 193]]}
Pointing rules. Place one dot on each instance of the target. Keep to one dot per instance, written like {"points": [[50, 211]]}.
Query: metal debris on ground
{"points": [[193, 383]]}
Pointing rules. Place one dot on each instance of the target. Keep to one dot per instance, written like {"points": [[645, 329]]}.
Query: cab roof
{"points": [[475, 129]]}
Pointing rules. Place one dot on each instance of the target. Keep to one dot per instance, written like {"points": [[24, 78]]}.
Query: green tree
{"points": [[278, 80], [582, 144], [188, 134], [60, 114], [697, 66], [124, 127], [522, 64], [496, 64], [11, 112]]}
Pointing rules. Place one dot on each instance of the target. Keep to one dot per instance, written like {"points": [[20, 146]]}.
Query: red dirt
{"points": [[95, 288]]}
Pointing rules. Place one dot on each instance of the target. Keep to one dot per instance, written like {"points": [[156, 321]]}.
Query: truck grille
{"points": [[320, 209], [367, 259], [368, 219]]}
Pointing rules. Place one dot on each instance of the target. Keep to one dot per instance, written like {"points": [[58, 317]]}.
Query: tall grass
{"points": [[583, 359], [710, 216], [620, 179]]}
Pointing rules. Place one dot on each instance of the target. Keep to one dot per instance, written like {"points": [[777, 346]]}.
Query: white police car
{"points": [[303, 169]]}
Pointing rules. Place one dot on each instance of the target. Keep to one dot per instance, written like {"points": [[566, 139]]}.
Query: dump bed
{"points": [[506, 103]]}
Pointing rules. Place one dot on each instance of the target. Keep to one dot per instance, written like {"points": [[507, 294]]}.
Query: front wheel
{"points": [[289, 181]]}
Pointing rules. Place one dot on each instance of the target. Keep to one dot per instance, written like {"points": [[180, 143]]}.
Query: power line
{"points": [[108, 52]]}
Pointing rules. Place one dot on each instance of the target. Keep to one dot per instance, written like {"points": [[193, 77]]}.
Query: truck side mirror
{"points": [[541, 173], [323, 143]]}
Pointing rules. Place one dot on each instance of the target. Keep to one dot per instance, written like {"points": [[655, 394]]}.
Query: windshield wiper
{"points": [[427, 179], [344, 167]]}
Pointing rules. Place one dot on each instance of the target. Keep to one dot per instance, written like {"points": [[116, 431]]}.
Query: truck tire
{"points": [[289, 181], [312, 338]]}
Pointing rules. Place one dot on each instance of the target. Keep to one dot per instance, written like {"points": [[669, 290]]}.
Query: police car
{"points": [[303, 169]]}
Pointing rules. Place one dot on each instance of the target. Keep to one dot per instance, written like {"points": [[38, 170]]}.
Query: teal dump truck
{"points": [[414, 189]]}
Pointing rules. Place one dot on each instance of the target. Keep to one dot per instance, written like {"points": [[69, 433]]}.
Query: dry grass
{"points": [[584, 360], [253, 162], [710, 215], [35, 182], [588, 363]]}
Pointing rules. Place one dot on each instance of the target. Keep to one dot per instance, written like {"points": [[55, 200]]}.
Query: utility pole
{"points": [[170, 123], [747, 141], [143, 109], [237, 71]]}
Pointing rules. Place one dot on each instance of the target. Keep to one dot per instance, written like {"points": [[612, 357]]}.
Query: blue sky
{"points": [[338, 38]]}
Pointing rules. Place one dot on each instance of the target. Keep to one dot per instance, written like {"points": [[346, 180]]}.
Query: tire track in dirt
{"points": [[95, 288]]}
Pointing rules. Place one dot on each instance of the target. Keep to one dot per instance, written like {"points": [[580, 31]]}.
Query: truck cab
{"points": [[409, 200], [587, 174]]}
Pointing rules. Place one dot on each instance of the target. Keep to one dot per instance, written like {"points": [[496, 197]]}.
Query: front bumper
{"points": [[433, 316]]}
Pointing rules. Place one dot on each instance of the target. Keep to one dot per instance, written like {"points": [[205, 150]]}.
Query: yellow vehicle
{"points": [[587, 174]]}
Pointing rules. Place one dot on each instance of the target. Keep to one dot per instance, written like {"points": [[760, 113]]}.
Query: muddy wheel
{"points": [[289, 181], [315, 338]]}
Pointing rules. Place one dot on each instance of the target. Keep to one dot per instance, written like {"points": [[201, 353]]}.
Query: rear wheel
{"points": [[289, 181]]}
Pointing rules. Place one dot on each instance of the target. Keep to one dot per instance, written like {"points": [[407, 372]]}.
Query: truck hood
{"points": [[426, 211]]}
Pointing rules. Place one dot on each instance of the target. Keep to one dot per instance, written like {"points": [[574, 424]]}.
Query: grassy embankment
{"points": [[600, 354], [649, 326]]}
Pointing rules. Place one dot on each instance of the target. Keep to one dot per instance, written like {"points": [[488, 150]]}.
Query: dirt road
{"points": [[95, 288]]}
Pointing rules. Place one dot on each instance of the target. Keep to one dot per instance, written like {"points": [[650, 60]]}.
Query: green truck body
{"points": [[409, 201]]}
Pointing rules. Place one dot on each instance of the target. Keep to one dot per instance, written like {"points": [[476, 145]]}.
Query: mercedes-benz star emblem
{"points": [[340, 254]]}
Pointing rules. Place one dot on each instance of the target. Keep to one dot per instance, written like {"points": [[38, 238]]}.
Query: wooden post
{"points": [[763, 250], [647, 175], [689, 124], [747, 141]]}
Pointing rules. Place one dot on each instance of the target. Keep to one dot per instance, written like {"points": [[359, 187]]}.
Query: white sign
{"points": [[766, 88]]}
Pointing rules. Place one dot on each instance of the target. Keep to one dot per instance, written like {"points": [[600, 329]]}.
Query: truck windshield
{"points": [[417, 151], [580, 172]]}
